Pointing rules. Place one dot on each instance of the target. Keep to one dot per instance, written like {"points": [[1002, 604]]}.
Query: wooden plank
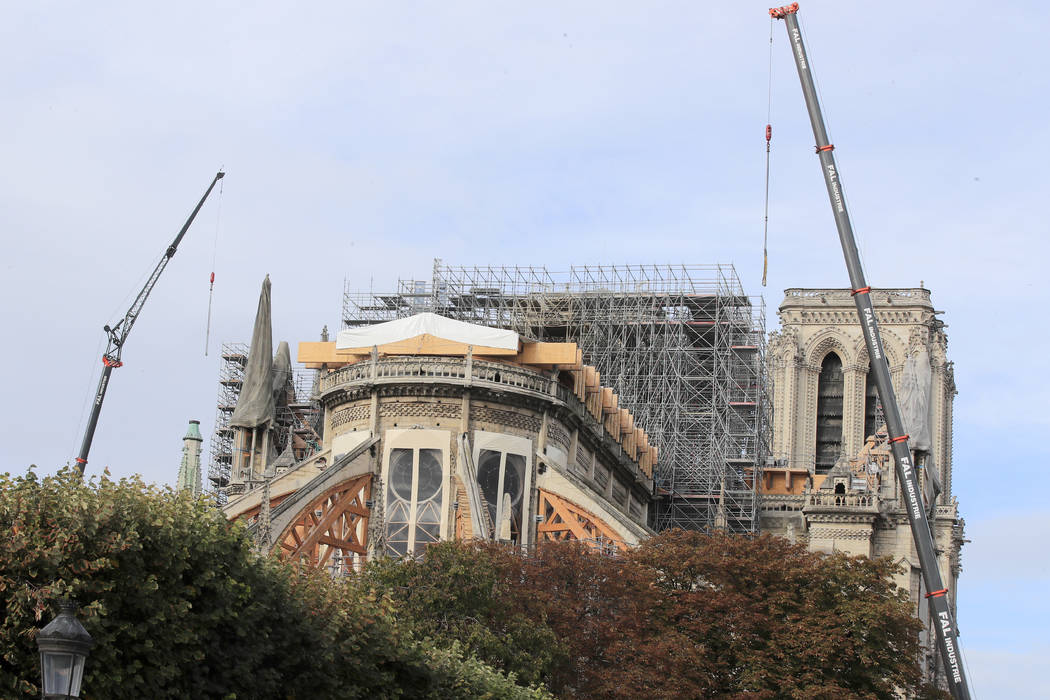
{"points": [[318, 353], [626, 421], [590, 379], [549, 354]]}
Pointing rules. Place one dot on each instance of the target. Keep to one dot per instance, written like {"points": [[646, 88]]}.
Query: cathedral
{"points": [[428, 428]]}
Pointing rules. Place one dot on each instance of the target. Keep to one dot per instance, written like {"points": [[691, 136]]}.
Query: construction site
{"points": [[682, 345], [296, 430]]}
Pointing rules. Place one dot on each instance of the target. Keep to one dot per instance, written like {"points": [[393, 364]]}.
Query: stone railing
{"points": [[949, 511], [843, 295], [770, 503], [453, 369], [839, 500]]}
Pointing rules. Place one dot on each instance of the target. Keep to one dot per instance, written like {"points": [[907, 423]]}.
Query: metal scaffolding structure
{"points": [[296, 419], [682, 345], [233, 359]]}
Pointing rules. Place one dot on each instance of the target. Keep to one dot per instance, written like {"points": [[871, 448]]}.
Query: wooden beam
{"points": [[341, 544], [313, 354], [626, 421], [549, 354], [590, 379]]}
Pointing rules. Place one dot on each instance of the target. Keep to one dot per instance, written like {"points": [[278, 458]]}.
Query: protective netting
{"points": [[255, 406]]}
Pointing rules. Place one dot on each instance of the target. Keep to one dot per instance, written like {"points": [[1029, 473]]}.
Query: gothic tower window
{"points": [[872, 418], [830, 389]]}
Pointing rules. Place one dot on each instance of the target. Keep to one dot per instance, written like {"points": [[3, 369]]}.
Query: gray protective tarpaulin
{"points": [[255, 404], [916, 386], [282, 375], [917, 413]]}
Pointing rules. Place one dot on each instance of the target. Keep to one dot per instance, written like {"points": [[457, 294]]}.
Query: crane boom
{"points": [[947, 635], [118, 333]]}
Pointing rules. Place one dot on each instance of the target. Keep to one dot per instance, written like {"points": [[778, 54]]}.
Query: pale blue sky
{"points": [[361, 140]]}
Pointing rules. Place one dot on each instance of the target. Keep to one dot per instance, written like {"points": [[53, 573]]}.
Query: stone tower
{"points": [[830, 482], [824, 406], [190, 469]]}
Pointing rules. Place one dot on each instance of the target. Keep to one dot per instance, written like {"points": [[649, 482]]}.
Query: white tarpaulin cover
{"points": [[425, 324]]}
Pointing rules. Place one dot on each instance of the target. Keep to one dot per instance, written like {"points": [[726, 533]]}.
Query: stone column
{"points": [[853, 408], [805, 447]]}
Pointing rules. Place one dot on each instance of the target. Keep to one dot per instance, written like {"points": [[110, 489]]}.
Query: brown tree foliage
{"points": [[685, 615], [776, 621]]}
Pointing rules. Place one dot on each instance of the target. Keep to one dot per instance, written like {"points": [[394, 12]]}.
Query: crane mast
{"points": [[118, 333], [947, 635]]}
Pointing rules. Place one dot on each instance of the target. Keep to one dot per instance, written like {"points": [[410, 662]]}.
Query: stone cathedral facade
{"points": [[830, 482]]}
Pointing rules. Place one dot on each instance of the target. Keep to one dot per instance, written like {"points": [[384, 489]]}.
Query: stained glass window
{"points": [[414, 500], [501, 478]]}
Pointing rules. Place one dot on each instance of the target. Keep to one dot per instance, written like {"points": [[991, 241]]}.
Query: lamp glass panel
{"points": [[58, 671], [78, 675]]}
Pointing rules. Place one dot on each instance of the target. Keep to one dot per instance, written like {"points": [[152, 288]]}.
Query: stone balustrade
{"points": [[840, 500], [843, 295], [455, 369]]}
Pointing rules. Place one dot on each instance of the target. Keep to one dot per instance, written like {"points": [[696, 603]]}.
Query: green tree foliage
{"points": [[471, 594], [685, 615], [180, 606]]}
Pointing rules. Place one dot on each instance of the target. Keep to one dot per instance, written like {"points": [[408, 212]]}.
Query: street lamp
{"points": [[64, 646]]}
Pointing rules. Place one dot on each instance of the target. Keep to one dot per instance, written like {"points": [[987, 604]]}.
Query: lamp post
{"points": [[64, 646]]}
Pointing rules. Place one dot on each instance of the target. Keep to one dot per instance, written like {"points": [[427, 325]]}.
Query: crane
{"points": [[117, 334], [947, 635]]}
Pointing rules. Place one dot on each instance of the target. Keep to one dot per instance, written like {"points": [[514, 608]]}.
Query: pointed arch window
{"points": [[414, 500], [501, 477], [830, 389]]}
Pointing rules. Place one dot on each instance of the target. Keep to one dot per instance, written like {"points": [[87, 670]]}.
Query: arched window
{"points": [[829, 413], [501, 477], [872, 412], [414, 500]]}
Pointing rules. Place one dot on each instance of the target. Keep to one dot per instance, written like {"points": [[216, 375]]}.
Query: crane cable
{"points": [[769, 136], [214, 255]]}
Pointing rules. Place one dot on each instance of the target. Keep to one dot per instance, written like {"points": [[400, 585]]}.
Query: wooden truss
{"points": [[564, 520], [333, 530]]}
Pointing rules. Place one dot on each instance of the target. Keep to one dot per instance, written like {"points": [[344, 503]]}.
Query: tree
{"points": [[684, 615], [180, 606], [467, 593], [778, 621]]}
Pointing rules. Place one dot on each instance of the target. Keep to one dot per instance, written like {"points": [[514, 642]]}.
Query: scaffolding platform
{"points": [[682, 345]]}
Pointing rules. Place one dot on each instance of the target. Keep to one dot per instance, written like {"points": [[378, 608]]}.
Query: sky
{"points": [[361, 140]]}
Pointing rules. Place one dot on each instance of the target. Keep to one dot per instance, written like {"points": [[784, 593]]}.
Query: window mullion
{"points": [[413, 504], [499, 494]]}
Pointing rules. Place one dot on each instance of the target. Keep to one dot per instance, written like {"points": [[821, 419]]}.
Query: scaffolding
{"points": [[232, 361], [297, 416], [682, 345]]}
